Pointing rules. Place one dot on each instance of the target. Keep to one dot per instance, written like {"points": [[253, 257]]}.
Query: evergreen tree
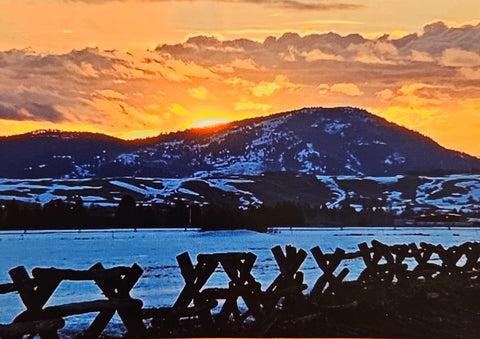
{"points": [[79, 213], [12, 215], [178, 215], [126, 212]]}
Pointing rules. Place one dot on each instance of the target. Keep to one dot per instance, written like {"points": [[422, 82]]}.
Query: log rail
{"points": [[243, 303], [35, 291]]}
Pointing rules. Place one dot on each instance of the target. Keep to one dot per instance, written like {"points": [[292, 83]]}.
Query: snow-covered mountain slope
{"points": [[320, 141], [421, 193]]}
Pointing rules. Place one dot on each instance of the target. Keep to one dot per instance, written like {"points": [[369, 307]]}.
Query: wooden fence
{"points": [[243, 304]]}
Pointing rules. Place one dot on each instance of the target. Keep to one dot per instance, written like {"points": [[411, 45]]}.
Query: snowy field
{"points": [[155, 251], [455, 191]]}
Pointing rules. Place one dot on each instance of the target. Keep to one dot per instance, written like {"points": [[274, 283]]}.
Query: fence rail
{"points": [[389, 271]]}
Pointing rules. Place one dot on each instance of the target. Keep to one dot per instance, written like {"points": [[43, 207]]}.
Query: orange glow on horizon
{"points": [[137, 69], [208, 122], [213, 121]]}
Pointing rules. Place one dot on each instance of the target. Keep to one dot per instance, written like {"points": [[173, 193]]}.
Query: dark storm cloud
{"points": [[30, 111], [33, 85], [44, 112], [10, 113]]}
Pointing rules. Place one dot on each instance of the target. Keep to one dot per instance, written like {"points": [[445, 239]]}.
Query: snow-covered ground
{"points": [[155, 251], [456, 191]]}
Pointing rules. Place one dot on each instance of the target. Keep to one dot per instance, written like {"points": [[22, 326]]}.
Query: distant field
{"points": [[461, 192]]}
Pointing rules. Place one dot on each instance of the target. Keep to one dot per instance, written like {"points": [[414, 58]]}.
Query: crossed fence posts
{"points": [[114, 283], [398, 266], [385, 266]]}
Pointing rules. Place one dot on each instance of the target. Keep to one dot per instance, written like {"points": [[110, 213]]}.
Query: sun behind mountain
{"points": [[208, 122]]}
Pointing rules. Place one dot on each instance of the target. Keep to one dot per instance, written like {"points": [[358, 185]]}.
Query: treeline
{"points": [[346, 215], [59, 214]]}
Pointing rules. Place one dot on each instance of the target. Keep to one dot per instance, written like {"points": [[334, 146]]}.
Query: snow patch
{"points": [[385, 180], [335, 127], [306, 156], [467, 202], [187, 191], [339, 194], [246, 198], [395, 158], [127, 159], [82, 171]]}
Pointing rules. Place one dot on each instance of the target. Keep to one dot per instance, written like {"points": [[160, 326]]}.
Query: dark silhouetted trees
{"points": [[126, 213], [72, 214], [178, 214], [13, 216]]}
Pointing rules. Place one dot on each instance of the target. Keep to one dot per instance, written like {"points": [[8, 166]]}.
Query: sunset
{"points": [[134, 69], [239, 169]]}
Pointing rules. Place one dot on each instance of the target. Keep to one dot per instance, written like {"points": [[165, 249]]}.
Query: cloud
{"points": [[178, 110], [108, 91], [10, 113], [421, 97], [470, 73], [290, 55], [323, 89], [243, 64], [293, 55], [238, 82], [455, 57], [198, 92], [168, 68], [288, 4], [267, 88], [420, 56], [332, 58], [385, 94], [347, 89], [245, 105], [127, 94], [438, 37], [317, 54], [111, 95], [343, 88], [374, 52], [36, 87], [47, 112], [302, 5], [84, 69]]}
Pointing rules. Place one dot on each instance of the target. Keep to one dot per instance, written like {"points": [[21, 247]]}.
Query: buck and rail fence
{"points": [[403, 288]]}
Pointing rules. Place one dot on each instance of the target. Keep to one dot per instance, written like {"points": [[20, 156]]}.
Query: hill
{"points": [[321, 141]]}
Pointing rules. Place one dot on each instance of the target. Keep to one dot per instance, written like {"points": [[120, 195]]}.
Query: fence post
{"points": [[34, 295]]}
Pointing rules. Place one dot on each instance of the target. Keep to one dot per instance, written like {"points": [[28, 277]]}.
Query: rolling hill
{"points": [[320, 141]]}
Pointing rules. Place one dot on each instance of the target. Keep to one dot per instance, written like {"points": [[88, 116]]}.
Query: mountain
{"points": [[322, 141]]}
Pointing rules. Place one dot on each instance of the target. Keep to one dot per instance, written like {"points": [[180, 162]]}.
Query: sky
{"points": [[138, 68]]}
